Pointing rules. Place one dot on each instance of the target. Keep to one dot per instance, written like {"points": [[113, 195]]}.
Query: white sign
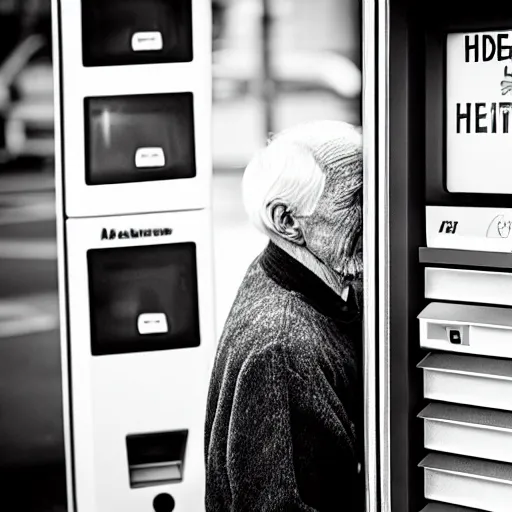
{"points": [[479, 112], [469, 228]]}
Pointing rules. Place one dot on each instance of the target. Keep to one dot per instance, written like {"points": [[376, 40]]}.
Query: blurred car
{"points": [[26, 102]]}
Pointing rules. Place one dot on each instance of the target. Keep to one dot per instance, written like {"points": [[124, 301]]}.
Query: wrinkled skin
{"points": [[333, 233]]}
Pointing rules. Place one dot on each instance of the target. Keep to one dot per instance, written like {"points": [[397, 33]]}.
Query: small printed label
{"points": [[147, 41], [152, 323], [128, 234], [469, 228], [149, 158]]}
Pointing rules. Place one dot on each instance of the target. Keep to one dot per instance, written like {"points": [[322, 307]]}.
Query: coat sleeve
{"points": [[259, 454]]}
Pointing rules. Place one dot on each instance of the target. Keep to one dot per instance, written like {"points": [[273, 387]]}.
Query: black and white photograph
{"points": [[255, 256]]}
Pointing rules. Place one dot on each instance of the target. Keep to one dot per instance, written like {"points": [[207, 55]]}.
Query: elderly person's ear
{"points": [[284, 223]]}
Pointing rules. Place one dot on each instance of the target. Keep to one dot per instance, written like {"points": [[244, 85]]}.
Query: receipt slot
{"points": [[437, 120], [133, 187]]}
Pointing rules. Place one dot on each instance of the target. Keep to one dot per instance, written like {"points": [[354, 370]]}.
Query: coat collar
{"points": [[292, 275]]}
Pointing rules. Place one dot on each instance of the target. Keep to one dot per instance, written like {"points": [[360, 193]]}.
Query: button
{"points": [[149, 157], [455, 336], [164, 503], [147, 41], [152, 323]]}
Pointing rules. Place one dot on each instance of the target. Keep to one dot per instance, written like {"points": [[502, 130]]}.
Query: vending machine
{"points": [[439, 93], [133, 173]]}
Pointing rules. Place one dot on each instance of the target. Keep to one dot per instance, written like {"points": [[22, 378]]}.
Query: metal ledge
{"points": [[497, 317], [468, 365], [445, 507], [465, 258], [469, 467], [477, 417]]}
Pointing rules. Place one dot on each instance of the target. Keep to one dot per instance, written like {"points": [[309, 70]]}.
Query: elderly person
{"points": [[283, 426]]}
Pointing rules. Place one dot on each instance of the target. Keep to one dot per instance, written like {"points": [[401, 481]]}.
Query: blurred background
{"points": [[275, 63]]}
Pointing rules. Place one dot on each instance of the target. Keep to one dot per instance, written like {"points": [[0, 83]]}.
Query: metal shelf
{"points": [[465, 258]]}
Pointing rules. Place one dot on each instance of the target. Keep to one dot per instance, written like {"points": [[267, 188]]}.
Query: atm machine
{"points": [[438, 91], [133, 172]]}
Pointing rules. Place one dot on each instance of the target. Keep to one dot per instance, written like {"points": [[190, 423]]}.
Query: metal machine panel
{"points": [[468, 286], [468, 482], [470, 380], [471, 431], [467, 329]]}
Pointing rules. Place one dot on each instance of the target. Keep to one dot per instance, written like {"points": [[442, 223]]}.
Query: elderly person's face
{"points": [[333, 233]]}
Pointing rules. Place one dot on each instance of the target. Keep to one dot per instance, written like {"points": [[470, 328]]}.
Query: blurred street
{"points": [[31, 444]]}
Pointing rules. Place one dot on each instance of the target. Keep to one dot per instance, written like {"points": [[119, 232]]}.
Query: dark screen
{"points": [[108, 27], [116, 127], [127, 282]]}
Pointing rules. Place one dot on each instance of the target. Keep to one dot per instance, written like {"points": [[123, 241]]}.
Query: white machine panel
{"points": [[481, 330], [469, 380], [469, 228], [468, 482], [185, 130], [470, 431], [468, 286], [138, 365]]}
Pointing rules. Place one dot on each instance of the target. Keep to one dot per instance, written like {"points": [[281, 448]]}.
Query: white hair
{"points": [[284, 171]]}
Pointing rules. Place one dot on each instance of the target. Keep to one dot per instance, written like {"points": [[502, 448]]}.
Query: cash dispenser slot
{"points": [[468, 482], [468, 286], [469, 380], [139, 138], [445, 507], [123, 32], [481, 330], [156, 459], [143, 298], [470, 431]]}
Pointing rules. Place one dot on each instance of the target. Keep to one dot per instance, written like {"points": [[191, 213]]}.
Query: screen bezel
{"points": [[436, 34]]}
